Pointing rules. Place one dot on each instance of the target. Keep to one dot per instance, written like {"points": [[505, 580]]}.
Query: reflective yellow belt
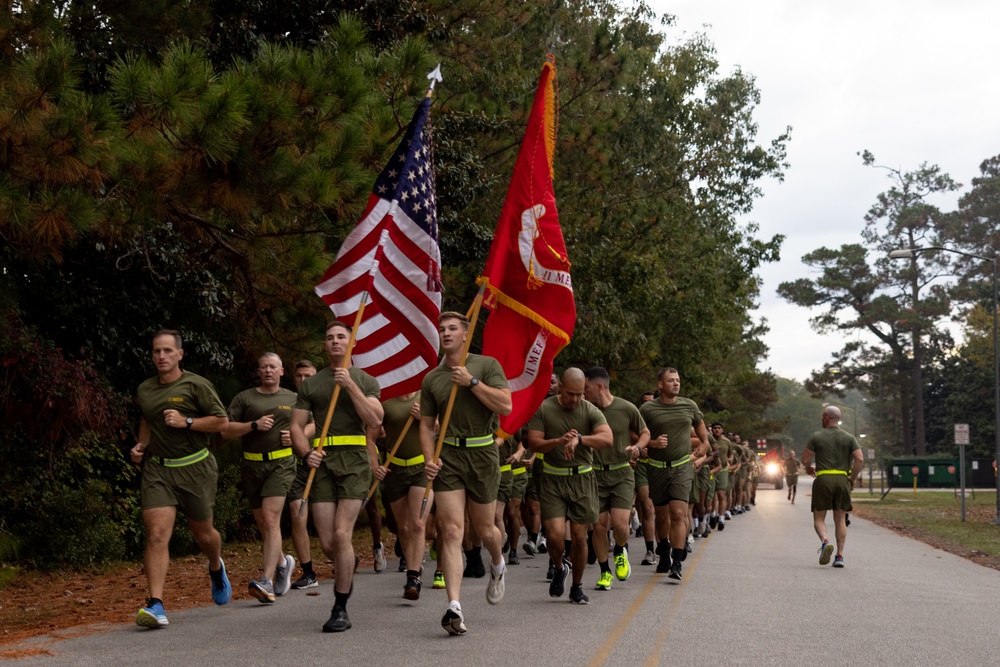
{"points": [[476, 441], [268, 456], [567, 472], [336, 440], [520, 470], [646, 460], [416, 460], [200, 455], [611, 466], [670, 464], [505, 468], [831, 472]]}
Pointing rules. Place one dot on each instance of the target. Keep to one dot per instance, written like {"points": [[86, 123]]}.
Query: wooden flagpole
{"points": [[473, 318], [388, 459]]}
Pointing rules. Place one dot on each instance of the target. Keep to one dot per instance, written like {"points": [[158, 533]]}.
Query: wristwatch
{"points": [[253, 426], [579, 439], [473, 382], [189, 422]]}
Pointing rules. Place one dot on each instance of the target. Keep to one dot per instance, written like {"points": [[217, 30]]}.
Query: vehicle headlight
{"points": [[772, 468]]}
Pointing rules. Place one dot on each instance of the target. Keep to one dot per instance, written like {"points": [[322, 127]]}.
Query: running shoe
{"points": [[689, 544], [338, 620], [706, 530], [722, 525], [634, 524], [497, 586], [558, 584], [541, 545], [283, 576], [649, 559], [263, 590], [221, 588], [305, 581], [825, 553], [551, 572], [713, 522], [379, 559], [604, 583], [623, 569], [675, 571], [402, 564], [438, 579], [728, 515], [434, 551], [411, 591], [577, 596], [746, 508], [847, 519], [530, 548], [512, 558], [838, 561], [453, 621], [152, 616]]}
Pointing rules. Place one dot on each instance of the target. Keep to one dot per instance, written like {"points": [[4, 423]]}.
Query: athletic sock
{"points": [[650, 545], [533, 538], [605, 566], [413, 573], [620, 549], [568, 549], [307, 568], [694, 524], [456, 605], [340, 599], [497, 569], [678, 555], [153, 601]]}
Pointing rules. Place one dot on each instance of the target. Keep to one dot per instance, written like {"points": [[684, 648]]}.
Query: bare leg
{"points": [[159, 523]]}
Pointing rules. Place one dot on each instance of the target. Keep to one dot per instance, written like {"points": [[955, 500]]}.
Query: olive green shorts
{"points": [[191, 488], [792, 480], [695, 488], [831, 492], [572, 496], [299, 483], [615, 489], [641, 474], [474, 469], [722, 481], [505, 487], [266, 479], [667, 484], [520, 485], [344, 474], [535, 480], [710, 488], [400, 480]]}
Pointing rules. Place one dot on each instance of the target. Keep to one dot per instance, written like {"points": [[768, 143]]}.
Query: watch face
{"points": [[189, 421]]}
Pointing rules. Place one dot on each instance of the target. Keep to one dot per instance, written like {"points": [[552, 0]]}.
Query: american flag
{"points": [[392, 253]]}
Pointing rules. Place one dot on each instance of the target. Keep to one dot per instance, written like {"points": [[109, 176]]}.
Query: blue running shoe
{"points": [[221, 589], [152, 616], [838, 561], [825, 552]]}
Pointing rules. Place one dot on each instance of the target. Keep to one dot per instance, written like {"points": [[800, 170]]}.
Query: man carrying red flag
{"points": [[527, 279]]}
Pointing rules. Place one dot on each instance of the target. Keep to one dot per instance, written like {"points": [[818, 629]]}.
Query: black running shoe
{"points": [[558, 585], [551, 572], [577, 596], [713, 522], [675, 571], [512, 558], [663, 565], [338, 620], [411, 591]]}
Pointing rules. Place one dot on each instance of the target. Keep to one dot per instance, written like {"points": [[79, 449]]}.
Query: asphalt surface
{"points": [[753, 594]]}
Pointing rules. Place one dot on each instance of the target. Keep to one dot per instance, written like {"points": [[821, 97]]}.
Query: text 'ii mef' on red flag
{"points": [[391, 257], [528, 286]]}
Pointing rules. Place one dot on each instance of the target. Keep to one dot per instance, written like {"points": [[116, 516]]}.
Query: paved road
{"points": [[752, 595]]}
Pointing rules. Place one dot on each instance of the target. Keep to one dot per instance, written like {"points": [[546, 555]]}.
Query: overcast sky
{"points": [[910, 80]]}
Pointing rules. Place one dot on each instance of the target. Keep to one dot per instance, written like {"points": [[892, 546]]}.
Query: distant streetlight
{"points": [[911, 253]]}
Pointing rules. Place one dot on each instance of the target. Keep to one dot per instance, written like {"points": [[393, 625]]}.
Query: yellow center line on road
{"points": [[661, 639], [602, 655], [619, 629]]}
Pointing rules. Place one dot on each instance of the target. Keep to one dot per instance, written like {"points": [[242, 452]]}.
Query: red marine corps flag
{"points": [[528, 288], [391, 258]]}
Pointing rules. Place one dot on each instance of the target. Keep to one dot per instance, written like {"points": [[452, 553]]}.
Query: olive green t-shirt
{"points": [[624, 419], [792, 466], [469, 417], [316, 391], [251, 405], [553, 420], [725, 449], [833, 447], [397, 412], [675, 419], [192, 396]]}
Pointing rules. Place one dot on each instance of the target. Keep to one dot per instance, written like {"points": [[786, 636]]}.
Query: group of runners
{"points": [[585, 470]]}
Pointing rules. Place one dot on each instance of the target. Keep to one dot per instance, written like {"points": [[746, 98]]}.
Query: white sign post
{"points": [[962, 439]]}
